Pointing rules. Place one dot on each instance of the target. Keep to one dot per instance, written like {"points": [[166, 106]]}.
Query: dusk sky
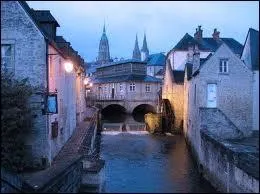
{"points": [[165, 23]]}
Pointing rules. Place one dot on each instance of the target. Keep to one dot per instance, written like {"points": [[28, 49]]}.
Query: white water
{"points": [[128, 132]]}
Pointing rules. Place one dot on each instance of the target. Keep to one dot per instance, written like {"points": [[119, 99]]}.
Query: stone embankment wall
{"points": [[65, 173], [228, 170], [221, 154]]}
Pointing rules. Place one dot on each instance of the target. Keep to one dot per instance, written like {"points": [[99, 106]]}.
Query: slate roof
{"points": [[160, 72], [157, 59], [44, 16], [123, 62], [178, 76], [124, 78], [208, 44], [60, 39], [254, 48]]}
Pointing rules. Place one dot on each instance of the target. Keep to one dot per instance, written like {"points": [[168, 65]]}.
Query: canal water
{"points": [[140, 162]]}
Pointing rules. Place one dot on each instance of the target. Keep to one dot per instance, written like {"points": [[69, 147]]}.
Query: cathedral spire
{"points": [[104, 28], [136, 52], [144, 50]]}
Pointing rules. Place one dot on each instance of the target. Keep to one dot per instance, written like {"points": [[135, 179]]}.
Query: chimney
{"points": [[190, 53], [198, 33], [196, 59], [215, 34]]}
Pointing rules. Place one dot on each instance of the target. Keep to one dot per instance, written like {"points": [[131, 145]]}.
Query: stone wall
{"points": [[218, 123], [220, 166], [28, 60], [174, 92], [256, 100]]}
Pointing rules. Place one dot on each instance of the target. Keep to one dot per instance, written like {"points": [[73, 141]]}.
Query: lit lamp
{"points": [[85, 81], [90, 84], [68, 66]]}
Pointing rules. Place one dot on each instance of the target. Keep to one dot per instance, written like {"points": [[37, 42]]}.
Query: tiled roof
{"points": [[254, 48], [156, 59], [178, 76], [124, 78], [209, 44]]}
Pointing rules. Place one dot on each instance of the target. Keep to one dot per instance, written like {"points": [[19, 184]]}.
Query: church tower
{"points": [[144, 50], [136, 52], [103, 53]]}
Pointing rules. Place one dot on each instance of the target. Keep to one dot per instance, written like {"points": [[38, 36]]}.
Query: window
{"points": [[6, 58], [120, 87], [148, 88], [223, 66], [132, 87]]}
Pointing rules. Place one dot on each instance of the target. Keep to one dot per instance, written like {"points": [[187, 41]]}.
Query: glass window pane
{"points": [[220, 66]]}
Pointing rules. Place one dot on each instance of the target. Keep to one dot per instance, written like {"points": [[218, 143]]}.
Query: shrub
{"points": [[16, 120]]}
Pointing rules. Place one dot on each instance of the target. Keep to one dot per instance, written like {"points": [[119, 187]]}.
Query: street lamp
{"points": [[85, 81], [68, 66]]}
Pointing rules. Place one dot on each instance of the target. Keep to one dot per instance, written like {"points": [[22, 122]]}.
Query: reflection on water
{"points": [[140, 162]]}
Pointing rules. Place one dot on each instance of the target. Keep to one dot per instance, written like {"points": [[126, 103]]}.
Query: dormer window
{"points": [[223, 66]]}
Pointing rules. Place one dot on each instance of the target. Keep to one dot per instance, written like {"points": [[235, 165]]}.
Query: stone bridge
{"points": [[129, 105]]}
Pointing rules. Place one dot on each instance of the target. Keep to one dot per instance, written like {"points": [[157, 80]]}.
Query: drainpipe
{"points": [[47, 87]]}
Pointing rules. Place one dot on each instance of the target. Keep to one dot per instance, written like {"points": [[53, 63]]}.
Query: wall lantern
{"points": [[68, 66], [85, 81]]}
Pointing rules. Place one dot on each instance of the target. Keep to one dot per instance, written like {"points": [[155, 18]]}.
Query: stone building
{"points": [[250, 56], [178, 57], [217, 93], [173, 91], [206, 45], [155, 62], [126, 83], [30, 48]]}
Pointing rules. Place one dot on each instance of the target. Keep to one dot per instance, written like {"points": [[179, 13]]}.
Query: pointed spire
{"points": [[144, 50], [104, 28], [136, 42], [103, 53], [136, 52]]}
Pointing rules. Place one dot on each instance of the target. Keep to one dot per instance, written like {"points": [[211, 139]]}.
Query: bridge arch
{"points": [[140, 110], [114, 113], [114, 107]]}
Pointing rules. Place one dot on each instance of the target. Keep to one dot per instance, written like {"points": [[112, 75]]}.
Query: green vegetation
{"points": [[16, 120]]}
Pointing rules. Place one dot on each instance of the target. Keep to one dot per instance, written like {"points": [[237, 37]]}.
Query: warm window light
{"points": [[68, 66], [86, 81]]}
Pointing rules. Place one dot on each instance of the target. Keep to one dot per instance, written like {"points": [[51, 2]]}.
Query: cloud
{"points": [[165, 22]]}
